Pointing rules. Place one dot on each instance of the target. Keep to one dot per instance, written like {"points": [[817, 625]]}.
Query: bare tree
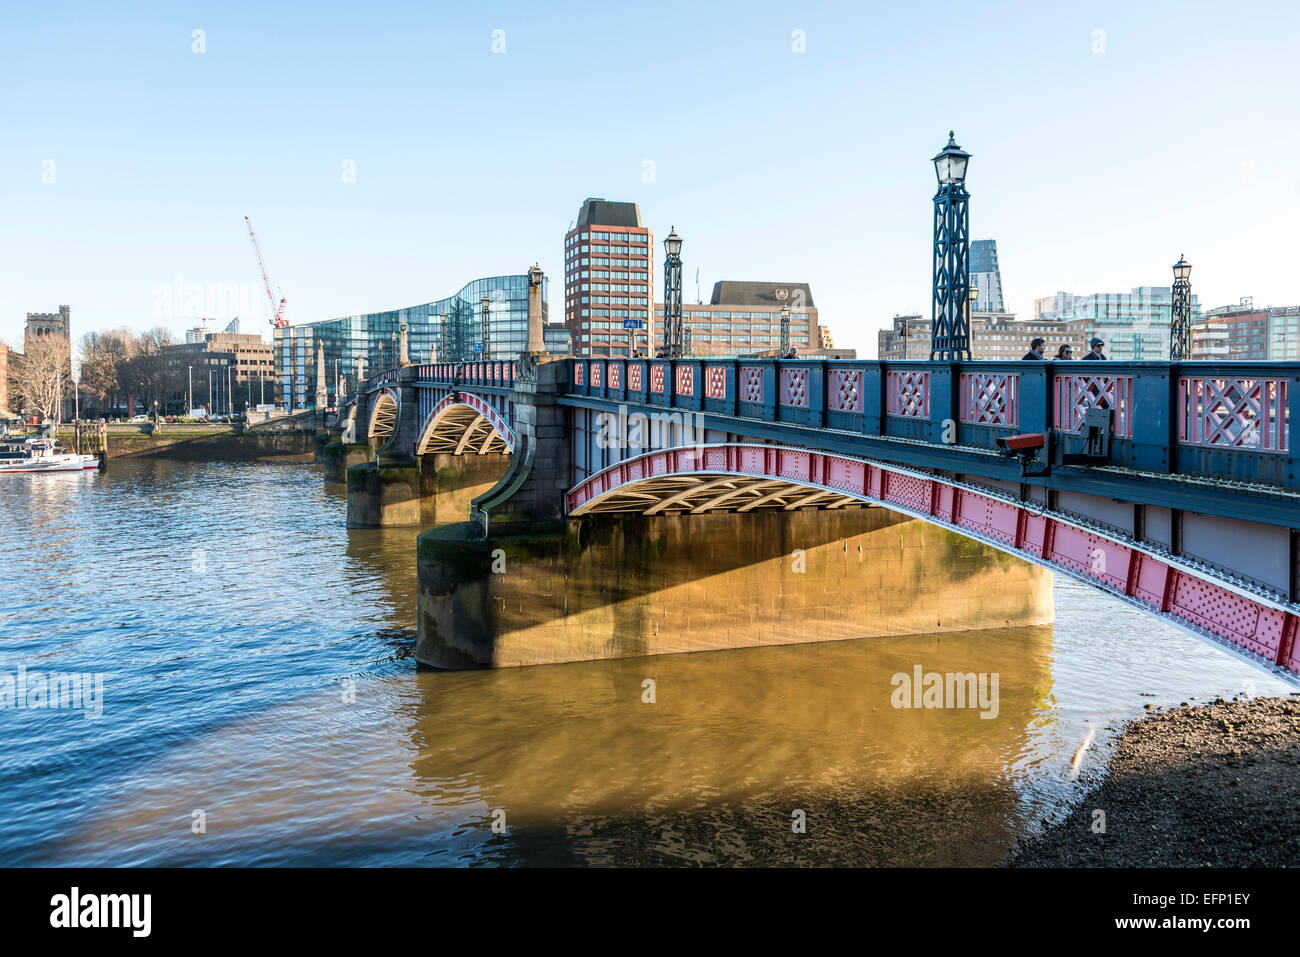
{"points": [[103, 354], [41, 374]]}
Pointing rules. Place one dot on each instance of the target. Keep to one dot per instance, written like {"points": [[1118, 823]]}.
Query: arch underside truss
{"points": [[383, 419], [742, 477], [463, 424]]}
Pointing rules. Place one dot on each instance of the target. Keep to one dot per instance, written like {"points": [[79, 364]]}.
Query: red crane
{"points": [[279, 321]]}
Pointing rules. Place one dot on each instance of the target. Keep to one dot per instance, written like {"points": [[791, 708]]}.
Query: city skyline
{"points": [[372, 190]]}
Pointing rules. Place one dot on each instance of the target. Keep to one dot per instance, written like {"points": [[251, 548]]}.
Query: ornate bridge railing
{"points": [[500, 373], [1228, 420]]}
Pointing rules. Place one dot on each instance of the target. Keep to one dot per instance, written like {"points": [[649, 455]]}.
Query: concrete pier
{"points": [[337, 457], [613, 586], [435, 490]]}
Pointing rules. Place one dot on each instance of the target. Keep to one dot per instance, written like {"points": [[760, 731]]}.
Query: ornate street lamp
{"points": [[485, 328], [1180, 312], [785, 329], [675, 342], [950, 325]]}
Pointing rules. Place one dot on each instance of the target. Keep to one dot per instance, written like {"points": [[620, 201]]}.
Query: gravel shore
{"points": [[1210, 786]]}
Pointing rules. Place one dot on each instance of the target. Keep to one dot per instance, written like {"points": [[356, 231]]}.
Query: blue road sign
{"points": [[631, 323]]}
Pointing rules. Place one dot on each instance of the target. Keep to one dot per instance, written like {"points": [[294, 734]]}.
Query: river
{"points": [[260, 707]]}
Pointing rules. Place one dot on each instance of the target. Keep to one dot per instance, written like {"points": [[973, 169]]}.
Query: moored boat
{"points": [[26, 454]]}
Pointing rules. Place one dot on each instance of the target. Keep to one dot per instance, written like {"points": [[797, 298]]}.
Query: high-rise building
{"points": [[985, 276], [448, 330], [608, 279]]}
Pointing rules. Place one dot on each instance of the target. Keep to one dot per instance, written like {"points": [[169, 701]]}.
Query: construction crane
{"points": [[279, 321]]}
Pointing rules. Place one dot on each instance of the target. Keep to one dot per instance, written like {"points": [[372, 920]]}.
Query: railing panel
{"points": [[1075, 394], [1239, 413], [990, 398]]}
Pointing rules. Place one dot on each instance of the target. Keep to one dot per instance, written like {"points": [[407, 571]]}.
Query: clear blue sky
{"points": [[1093, 170]]}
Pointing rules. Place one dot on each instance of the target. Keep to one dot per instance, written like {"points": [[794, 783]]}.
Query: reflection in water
{"points": [[273, 691]]}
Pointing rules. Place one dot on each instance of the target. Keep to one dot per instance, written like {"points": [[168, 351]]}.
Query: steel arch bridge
{"points": [[1192, 513], [741, 477]]}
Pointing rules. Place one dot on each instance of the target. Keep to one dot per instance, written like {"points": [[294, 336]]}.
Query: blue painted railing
{"points": [[1229, 420]]}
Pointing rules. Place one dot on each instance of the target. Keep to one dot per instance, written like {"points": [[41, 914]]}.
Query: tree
{"points": [[42, 373], [103, 355]]}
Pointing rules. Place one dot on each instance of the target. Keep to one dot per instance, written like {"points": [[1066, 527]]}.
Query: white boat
{"points": [[22, 454]]}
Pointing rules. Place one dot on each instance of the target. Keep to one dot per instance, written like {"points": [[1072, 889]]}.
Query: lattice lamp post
{"points": [[485, 332], [675, 331], [785, 329], [1180, 312], [950, 326]]}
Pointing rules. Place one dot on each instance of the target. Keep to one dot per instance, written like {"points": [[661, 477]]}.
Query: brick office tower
{"points": [[609, 278]]}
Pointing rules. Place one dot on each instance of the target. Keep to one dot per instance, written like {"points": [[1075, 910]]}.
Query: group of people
{"points": [[1037, 350]]}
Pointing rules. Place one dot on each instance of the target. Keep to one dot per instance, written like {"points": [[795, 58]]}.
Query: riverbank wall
{"points": [[203, 444]]}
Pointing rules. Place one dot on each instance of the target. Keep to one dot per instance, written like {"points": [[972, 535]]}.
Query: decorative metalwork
{"points": [[595, 375], [751, 384], [794, 387], [657, 377], [685, 380], [675, 339], [634, 378], [715, 382], [613, 377], [950, 318], [1236, 413], [908, 394], [846, 390], [990, 398], [1075, 394], [1180, 312], [578, 369]]}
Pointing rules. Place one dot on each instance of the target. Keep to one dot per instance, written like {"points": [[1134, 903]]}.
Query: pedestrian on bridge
{"points": [[1066, 351], [1035, 353], [1095, 346]]}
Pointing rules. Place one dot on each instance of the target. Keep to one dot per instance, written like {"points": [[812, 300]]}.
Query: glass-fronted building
{"points": [[1134, 324], [448, 330], [985, 276]]}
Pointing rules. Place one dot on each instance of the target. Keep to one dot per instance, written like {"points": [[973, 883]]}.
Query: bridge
{"points": [[1174, 487]]}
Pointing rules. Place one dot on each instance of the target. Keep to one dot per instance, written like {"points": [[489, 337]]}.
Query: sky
{"points": [[388, 153]]}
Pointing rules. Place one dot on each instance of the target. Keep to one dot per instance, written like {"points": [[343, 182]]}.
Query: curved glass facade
{"points": [[448, 330]]}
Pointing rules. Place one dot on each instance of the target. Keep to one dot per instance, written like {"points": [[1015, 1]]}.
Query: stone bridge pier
{"points": [[393, 473]]}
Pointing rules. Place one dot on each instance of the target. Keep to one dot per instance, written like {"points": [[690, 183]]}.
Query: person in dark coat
{"points": [[1065, 352], [1035, 352], [1095, 346]]}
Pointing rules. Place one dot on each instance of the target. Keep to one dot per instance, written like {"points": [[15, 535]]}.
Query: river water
{"points": [[260, 707]]}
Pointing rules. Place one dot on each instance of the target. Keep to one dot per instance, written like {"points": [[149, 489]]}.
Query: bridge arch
{"points": [[385, 410], [742, 477], [463, 423]]}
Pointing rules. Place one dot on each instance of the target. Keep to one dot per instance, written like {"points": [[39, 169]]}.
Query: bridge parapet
{"points": [[1217, 420]]}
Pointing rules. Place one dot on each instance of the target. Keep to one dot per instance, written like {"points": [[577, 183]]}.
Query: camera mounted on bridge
{"points": [[1093, 438]]}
